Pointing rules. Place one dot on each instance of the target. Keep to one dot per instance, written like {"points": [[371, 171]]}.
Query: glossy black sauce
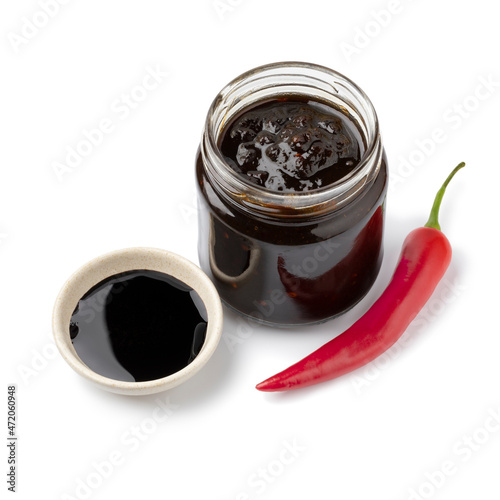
{"points": [[292, 145], [138, 325]]}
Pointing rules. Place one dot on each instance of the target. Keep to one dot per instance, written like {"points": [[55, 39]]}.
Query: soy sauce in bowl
{"points": [[138, 326]]}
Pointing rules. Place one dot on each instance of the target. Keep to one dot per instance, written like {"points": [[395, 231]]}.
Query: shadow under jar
{"points": [[292, 181]]}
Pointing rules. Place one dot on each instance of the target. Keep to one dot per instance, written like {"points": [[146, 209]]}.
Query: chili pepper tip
{"points": [[268, 385]]}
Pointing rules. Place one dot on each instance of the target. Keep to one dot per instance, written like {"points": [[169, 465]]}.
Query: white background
{"points": [[378, 433]]}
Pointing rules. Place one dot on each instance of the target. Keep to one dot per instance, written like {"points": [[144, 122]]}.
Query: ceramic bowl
{"points": [[130, 259]]}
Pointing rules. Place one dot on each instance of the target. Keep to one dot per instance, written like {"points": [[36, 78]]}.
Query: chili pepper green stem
{"points": [[433, 217]]}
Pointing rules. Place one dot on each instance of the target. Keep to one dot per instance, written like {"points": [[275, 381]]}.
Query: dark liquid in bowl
{"points": [[138, 325]]}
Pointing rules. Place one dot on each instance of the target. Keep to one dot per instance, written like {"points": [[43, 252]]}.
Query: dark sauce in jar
{"points": [[138, 325], [281, 269], [292, 145]]}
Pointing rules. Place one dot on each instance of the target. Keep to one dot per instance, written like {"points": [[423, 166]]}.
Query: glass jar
{"points": [[291, 258]]}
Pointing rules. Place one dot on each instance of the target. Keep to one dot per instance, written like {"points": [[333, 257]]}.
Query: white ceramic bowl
{"points": [[120, 261]]}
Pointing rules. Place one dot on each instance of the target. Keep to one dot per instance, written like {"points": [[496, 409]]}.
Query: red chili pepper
{"points": [[424, 258]]}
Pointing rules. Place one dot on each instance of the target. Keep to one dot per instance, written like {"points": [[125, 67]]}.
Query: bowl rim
{"points": [[128, 259]]}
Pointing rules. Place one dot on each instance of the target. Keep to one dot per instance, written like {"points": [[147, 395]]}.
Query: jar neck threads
{"points": [[286, 80]]}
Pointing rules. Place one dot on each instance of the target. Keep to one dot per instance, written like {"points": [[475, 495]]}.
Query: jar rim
{"points": [[263, 199]]}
